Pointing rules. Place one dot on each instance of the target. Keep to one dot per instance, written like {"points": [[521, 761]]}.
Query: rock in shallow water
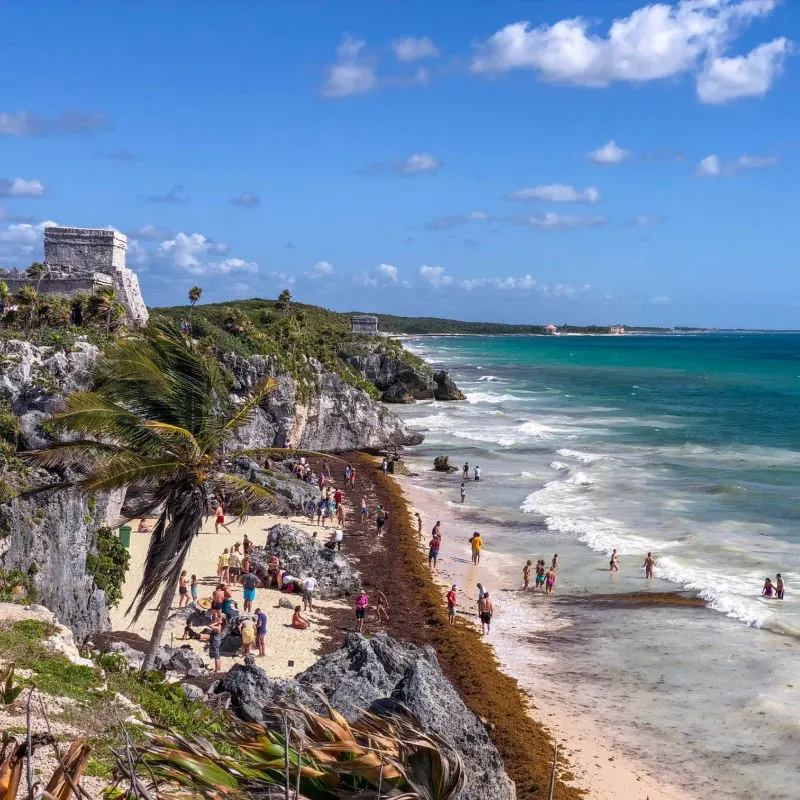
{"points": [[363, 671]]}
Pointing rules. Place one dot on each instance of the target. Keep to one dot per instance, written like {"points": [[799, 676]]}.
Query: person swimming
{"points": [[779, 590]]}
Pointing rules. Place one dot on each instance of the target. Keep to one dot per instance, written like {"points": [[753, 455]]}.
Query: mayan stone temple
{"points": [[82, 260]]}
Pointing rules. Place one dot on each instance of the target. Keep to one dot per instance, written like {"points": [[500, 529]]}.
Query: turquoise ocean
{"points": [[684, 445]]}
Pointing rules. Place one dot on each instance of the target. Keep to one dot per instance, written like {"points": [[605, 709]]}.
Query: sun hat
{"points": [[205, 603]]}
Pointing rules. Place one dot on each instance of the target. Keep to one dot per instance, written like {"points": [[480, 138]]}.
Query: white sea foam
{"points": [[560, 466], [585, 458], [491, 378], [487, 397], [579, 479]]}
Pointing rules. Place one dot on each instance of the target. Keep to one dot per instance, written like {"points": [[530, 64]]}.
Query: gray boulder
{"points": [[363, 672], [182, 660], [291, 495], [132, 656], [446, 388], [303, 555], [192, 692]]}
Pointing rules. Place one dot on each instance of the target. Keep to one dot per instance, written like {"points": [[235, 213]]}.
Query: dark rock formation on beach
{"points": [[365, 671], [291, 495], [301, 555], [404, 381], [442, 464]]}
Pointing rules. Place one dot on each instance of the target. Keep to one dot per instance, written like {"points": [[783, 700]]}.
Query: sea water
{"points": [[684, 445]]}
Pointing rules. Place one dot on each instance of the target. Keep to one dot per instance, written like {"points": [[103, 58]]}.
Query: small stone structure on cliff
{"points": [[82, 260], [364, 323]]}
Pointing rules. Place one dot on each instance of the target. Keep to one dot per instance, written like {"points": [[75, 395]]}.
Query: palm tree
{"points": [[28, 301], [195, 293], [103, 304], [5, 294], [284, 300], [157, 422]]}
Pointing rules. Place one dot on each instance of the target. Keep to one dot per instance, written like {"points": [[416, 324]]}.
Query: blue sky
{"points": [[515, 161]]}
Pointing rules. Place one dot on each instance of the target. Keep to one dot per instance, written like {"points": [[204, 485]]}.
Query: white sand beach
{"points": [[288, 651]]}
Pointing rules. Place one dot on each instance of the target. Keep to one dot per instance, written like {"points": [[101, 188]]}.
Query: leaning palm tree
{"points": [[157, 422], [28, 302], [195, 293]]}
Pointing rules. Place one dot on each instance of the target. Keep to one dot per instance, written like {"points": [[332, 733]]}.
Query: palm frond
{"points": [[243, 415], [80, 453], [241, 495]]}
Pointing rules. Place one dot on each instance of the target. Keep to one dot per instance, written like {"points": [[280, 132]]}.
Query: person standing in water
{"points": [[463, 492], [648, 565], [553, 563], [477, 473], [540, 570], [485, 610], [779, 590], [613, 564], [769, 589], [476, 543], [526, 575], [465, 471]]}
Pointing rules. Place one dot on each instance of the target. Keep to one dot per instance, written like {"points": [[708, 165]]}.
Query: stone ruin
{"points": [[364, 323], [82, 260]]}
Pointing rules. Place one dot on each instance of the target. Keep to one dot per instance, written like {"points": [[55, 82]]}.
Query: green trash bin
{"points": [[125, 535]]}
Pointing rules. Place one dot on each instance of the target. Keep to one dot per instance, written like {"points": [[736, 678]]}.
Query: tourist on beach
{"points": [[234, 564], [222, 566], [526, 575], [553, 563], [419, 523], [215, 640], [463, 492], [540, 577], [452, 602], [465, 471], [381, 610], [380, 518], [325, 468], [247, 545], [437, 529], [249, 581], [352, 477], [321, 481], [482, 590], [220, 519], [477, 473], [779, 590], [273, 565], [362, 601], [648, 565], [309, 587], [217, 598], [245, 565], [485, 610], [384, 466], [338, 497], [261, 631], [476, 543], [247, 630], [143, 527], [183, 590], [340, 514], [321, 509], [298, 621], [193, 588], [613, 564], [769, 589], [550, 582], [364, 510], [347, 475], [433, 551]]}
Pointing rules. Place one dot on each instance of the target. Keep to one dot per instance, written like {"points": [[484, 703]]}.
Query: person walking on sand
{"points": [[340, 514], [261, 631], [215, 640], [437, 529], [476, 543], [183, 591], [452, 602], [477, 473], [779, 590], [309, 587], [222, 566], [381, 610], [220, 518], [352, 477], [384, 466], [249, 581], [648, 565], [613, 564], [463, 492], [465, 471], [526, 575], [481, 591], [247, 630], [380, 518], [419, 523], [485, 611], [550, 582], [362, 601], [433, 551], [193, 588], [364, 510]]}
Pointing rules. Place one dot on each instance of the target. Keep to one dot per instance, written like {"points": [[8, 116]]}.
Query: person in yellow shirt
{"points": [[223, 565], [477, 543]]}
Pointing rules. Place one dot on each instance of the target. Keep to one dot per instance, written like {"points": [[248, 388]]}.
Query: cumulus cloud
{"points": [[152, 233], [725, 79], [435, 276], [193, 252], [654, 42], [23, 123], [558, 193], [609, 153], [351, 73], [449, 222], [713, 166], [415, 164], [25, 233], [322, 269], [19, 187], [411, 48], [246, 200], [175, 196], [379, 275], [553, 222]]}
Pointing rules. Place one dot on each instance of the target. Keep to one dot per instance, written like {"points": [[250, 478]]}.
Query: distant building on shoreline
{"points": [[82, 260], [550, 330], [364, 323], [616, 330]]}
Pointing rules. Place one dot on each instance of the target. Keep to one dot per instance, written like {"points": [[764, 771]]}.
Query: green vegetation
{"points": [[14, 585], [107, 564]]}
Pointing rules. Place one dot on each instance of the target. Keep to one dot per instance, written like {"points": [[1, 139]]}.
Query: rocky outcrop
{"points": [[442, 464], [291, 496], [332, 416], [365, 671], [404, 381], [48, 536], [301, 555]]}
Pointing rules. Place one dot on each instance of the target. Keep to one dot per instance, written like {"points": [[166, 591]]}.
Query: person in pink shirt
{"points": [[362, 601]]}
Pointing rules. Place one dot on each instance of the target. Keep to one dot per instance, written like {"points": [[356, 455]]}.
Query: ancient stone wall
{"points": [[364, 323], [85, 248]]}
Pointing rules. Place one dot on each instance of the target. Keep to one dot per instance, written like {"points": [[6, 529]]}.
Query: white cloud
{"points": [[153, 233], [381, 274], [446, 223], [552, 221], [713, 166], [411, 48], [322, 269], [23, 123], [190, 251], [351, 74], [558, 193], [19, 187], [137, 255], [609, 153], [654, 42], [24, 233], [419, 163], [660, 300], [388, 271], [229, 265], [246, 200], [646, 220], [725, 79], [435, 276]]}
